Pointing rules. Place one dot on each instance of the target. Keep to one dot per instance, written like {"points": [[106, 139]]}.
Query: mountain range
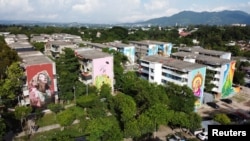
{"points": [[202, 18], [183, 18]]}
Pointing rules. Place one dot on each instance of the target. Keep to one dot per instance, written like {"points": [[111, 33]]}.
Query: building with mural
{"points": [[160, 70], [126, 49], [96, 67], [41, 84], [148, 47], [220, 71]]}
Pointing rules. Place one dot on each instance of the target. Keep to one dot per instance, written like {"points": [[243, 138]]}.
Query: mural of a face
{"points": [[196, 84], [39, 89]]}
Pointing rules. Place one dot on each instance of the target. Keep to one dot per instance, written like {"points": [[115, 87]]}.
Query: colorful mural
{"points": [[103, 71], [152, 50], [130, 53], [196, 83], [41, 86], [227, 88], [169, 49]]}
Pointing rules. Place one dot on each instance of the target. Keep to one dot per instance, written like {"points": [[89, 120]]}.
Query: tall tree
{"points": [[67, 70], [12, 85]]}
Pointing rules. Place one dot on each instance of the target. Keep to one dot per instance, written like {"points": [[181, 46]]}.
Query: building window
{"points": [[152, 70], [152, 77]]}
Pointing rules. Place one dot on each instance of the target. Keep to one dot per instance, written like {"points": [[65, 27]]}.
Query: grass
{"points": [[47, 119]]}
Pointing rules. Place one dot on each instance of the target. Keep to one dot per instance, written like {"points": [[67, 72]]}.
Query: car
{"points": [[226, 100], [213, 105], [203, 136]]}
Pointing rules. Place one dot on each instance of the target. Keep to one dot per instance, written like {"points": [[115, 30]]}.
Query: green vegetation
{"points": [[222, 118], [138, 107]]}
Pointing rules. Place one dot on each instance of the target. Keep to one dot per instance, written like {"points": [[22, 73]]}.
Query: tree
{"points": [[65, 118], [222, 118], [181, 98], [2, 127], [12, 85], [56, 108], [67, 70], [39, 46], [21, 112], [103, 129]]}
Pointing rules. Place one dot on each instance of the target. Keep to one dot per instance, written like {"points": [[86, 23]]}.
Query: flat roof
{"points": [[174, 63], [147, 42], [60, 43], [205, 59], [33, 58], [202, 50], [120, 45], [97, 45], [91, 53], [17, 45]]}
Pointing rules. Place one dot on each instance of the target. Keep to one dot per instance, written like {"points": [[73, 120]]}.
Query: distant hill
{"points": [[205, 18]]}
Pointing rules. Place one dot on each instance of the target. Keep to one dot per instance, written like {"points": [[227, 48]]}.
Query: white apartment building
{"points": [[220, 70], [160, 70]]}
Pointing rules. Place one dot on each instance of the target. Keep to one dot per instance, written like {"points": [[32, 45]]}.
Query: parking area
{"points": [[240, 104]]}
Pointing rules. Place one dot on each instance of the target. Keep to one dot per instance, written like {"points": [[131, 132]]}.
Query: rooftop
{"points": [[33, 58], [147, 42], [203, 51], [91, 53], [97, 45], [174, 63], [119, 45], [209, 60], [60, 43], [18, 45]]}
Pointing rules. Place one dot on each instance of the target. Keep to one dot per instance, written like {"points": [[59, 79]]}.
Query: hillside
{"points": [[204, 18]]}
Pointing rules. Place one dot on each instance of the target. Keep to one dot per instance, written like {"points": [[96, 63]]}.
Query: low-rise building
{"points": [[160, 69], [206, 52], [55, 48], [219, 70], [148, 47], [96, 67], [41, 82]]}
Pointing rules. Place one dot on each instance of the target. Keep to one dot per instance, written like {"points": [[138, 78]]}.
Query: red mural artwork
{"points": [[40, 81]]}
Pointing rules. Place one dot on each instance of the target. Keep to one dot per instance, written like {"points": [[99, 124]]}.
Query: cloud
{"points": [[86, 6], [108, 11], [153, 5], [15, 7]]}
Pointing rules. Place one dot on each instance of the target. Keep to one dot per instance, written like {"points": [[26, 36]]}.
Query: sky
{"points": [[109, 11]]}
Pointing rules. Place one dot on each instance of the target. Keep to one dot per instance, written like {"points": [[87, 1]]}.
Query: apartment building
{"points": [[206, 52], [148, 47], [41, 84], [55, 48], [220, 70], [96, 67], [161, 69], [126, 49]]}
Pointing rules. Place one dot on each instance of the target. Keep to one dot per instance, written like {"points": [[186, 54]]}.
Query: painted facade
{"points": [[41, 84], [196, 81], [103, 72], [130, 53], [165, 49], [227, 88], [152, 50]]}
